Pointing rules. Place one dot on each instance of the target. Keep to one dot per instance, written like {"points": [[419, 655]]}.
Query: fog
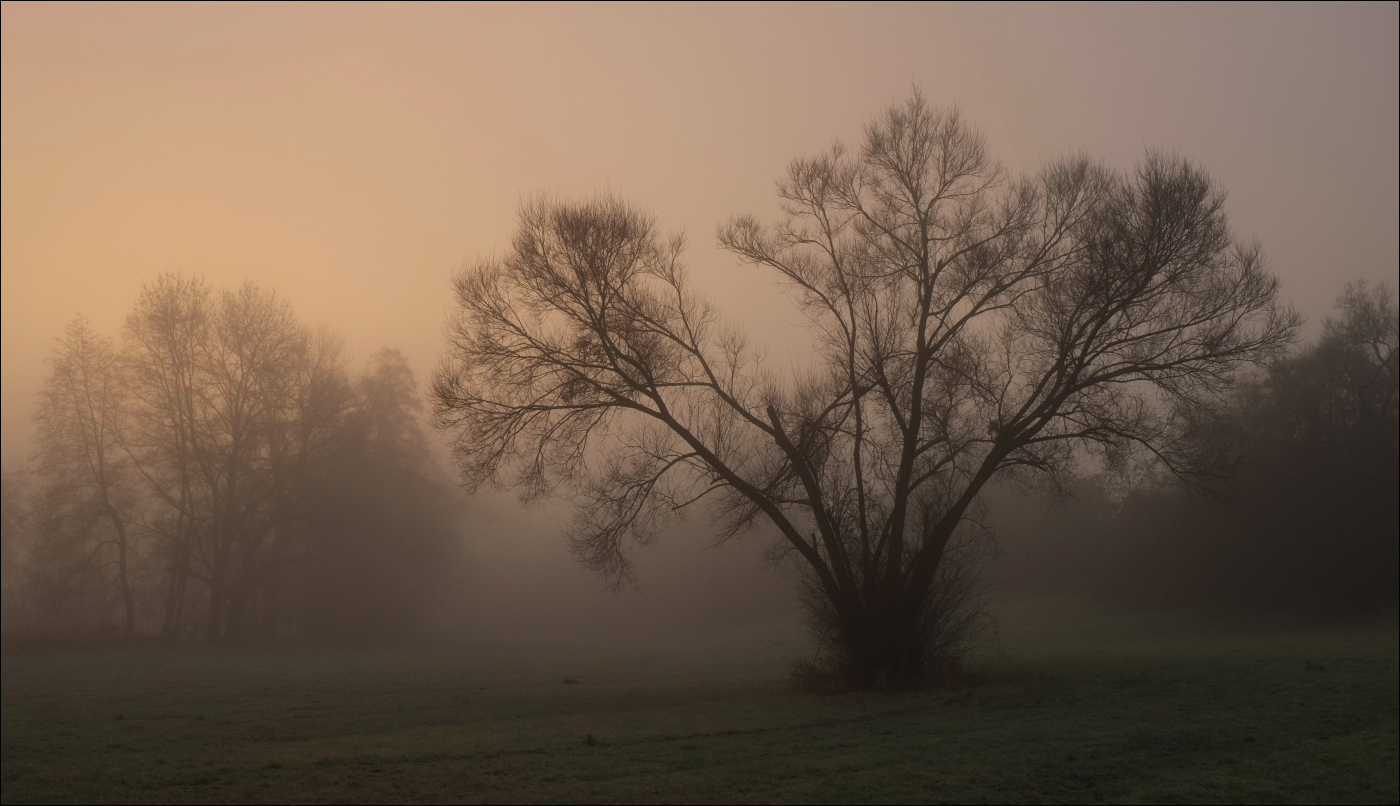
{"points": [[353, 158], [679, 402], [521, 585]]}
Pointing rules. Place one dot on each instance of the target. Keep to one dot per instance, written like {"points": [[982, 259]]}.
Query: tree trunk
{"points": [[272, 609], [218, 591], [879, 646], [245, 586], [128, 598], [175, 592], [239, 595]]}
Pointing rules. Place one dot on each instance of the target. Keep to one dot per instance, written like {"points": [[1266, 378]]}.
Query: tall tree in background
{"points": [[967, 325], [246, 368], [379, 518], [13, 547], [1306, 521], [87, 474], [311, 423], [1311, 519], [1345, 390], [166, 334]]}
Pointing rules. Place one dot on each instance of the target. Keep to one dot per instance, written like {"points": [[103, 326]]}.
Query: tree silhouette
{"points": [[967, 325]]}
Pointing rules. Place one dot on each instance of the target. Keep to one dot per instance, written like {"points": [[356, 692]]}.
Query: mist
{"points": [[353, 158], [476, 350]]}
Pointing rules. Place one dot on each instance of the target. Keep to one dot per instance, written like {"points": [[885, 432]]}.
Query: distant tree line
{"points": [[1305, 517], [220, 473]]}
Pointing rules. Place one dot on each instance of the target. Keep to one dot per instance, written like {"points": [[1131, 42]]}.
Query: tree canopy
{"points": [[968, 323]]}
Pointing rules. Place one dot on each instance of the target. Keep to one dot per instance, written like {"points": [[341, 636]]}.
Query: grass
{"points": [[1126, 709]]}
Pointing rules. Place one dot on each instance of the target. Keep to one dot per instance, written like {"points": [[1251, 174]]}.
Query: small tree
{"points": [[967, 325]]}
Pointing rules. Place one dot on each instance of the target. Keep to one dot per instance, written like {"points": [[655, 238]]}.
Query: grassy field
{"points": [[1126, 709]]}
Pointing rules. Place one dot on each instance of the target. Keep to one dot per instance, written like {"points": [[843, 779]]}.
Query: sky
{"points": [[354, 157]]}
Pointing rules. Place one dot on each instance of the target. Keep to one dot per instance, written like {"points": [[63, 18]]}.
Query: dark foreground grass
{"points": [[1132, 711]]}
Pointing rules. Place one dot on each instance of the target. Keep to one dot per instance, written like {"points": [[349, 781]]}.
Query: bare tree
{"points": [[15, 545], [165, 337], [968, 325], [230, 442], [231, 393], [250, 366], [80, 454], [1361, 347], [310, 416]]}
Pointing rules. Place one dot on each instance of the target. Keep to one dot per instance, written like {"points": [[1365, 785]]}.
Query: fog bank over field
{"points": [[348, 161], [521, 584]]}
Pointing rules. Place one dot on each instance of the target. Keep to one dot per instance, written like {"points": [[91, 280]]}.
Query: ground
{"points": [[1075, 709]]}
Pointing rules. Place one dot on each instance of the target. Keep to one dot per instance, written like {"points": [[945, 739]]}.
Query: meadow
{"points": [[1094, 709]]}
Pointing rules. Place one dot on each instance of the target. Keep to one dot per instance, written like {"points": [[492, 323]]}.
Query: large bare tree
{"points": [[966, 324]]}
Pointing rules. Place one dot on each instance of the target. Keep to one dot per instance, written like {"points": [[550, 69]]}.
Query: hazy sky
{"points": [[353, 157]]}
